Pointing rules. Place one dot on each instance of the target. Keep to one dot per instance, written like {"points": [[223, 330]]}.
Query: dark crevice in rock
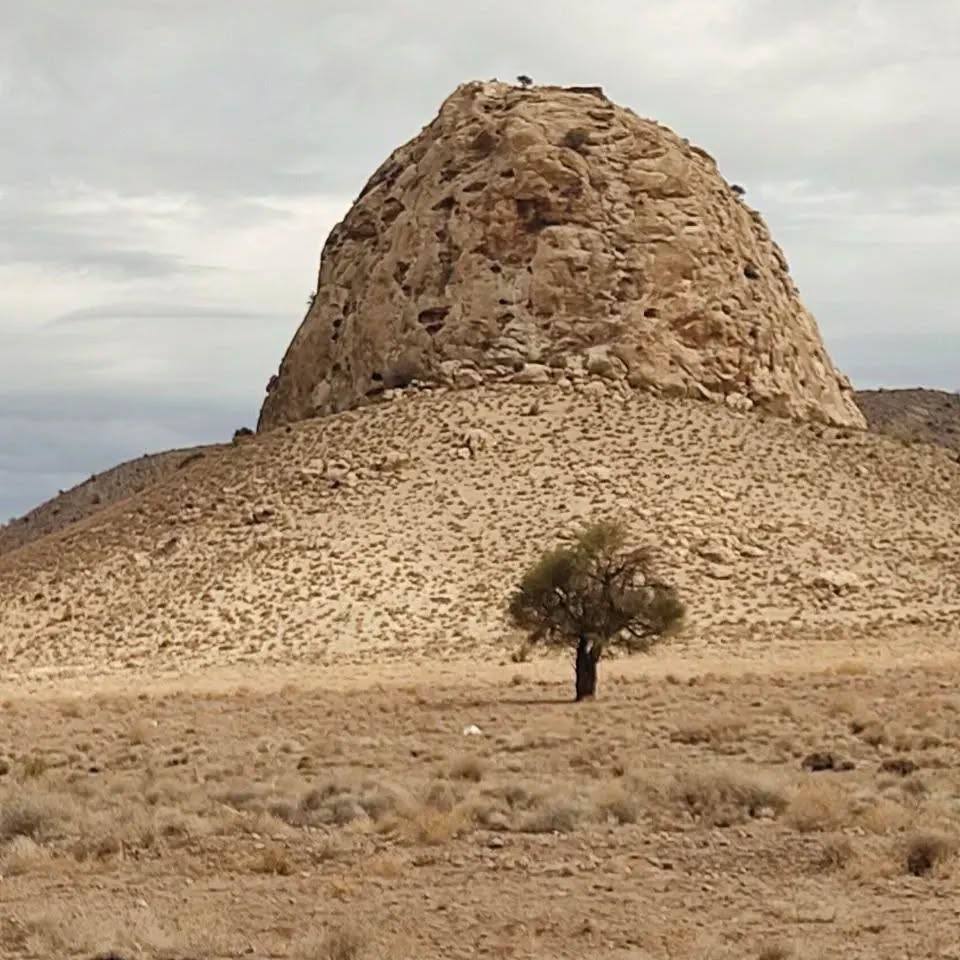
{"points": [[432, 319]]}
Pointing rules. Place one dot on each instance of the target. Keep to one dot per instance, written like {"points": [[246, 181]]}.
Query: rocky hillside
{"points": [[529, 235], [94, 494], [929, 416], [397, 531]]}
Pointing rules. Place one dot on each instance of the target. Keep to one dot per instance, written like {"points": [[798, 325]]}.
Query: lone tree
{"points": [[525, 81], [594, 593]]}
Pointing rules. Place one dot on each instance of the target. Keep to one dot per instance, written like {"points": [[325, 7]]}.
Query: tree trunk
{"points": [[586, 666]]}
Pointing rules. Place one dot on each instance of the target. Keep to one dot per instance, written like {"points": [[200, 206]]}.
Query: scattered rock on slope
{"points": [[547, 235], [97, 493], [257, 554], [931, 416]]}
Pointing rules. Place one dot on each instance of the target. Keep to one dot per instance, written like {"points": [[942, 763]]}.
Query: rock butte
{"points": [[549, 235]]}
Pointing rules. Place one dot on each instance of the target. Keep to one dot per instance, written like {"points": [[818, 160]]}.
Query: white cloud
{"points": [[168, 173]]}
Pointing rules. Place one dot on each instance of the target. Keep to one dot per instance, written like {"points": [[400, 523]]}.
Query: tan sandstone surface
{"points": [[532, 234]]}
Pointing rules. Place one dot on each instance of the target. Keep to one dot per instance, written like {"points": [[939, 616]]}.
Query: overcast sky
{"points": [[169, 170]]}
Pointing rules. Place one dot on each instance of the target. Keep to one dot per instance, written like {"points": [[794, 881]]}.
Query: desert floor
{"points": [[232, 706], [329, 815]]}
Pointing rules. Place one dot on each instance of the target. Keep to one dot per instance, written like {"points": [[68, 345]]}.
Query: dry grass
{"points": [[141, 731], [555, 816], [717, 728], [776, 950], [883, 815], [836, 852], [23, 855], [468, 767], [33, 766], [339, 943], [125, 931], [26, 812], [443, 795], [923, 852], [592, 796], [617, 802], [433, 827], [273, 860], [722, 797], [818, 805], [387, 866]]}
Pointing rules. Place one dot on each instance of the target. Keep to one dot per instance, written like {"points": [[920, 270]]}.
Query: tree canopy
{"points": [[595, 592]]}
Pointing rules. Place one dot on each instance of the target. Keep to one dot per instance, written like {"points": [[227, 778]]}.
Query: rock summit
{"points": [[548, 235]]}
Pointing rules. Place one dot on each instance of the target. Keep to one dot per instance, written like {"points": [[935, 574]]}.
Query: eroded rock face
{"points": [[535, 235]]}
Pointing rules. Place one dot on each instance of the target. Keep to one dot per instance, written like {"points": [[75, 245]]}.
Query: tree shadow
{"points": [[527, 702]]}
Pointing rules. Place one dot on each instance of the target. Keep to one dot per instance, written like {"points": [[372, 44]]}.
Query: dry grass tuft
{"points": [[517, 796], [469, 767], [23, 855], [922, 853], [27, 813], [273, 860], [723, 797], [337, 804], [775, 950], [883, 816], [555, 816], [442, 795], [716, 728], [837, 851], [71, 709], [140, 731], [33, 766], [339, 943], [817, 805], [616, 802], [387, 866], [434, 827]]}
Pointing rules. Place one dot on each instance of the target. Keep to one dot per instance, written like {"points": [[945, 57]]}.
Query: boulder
{"points": [[527, 229]]}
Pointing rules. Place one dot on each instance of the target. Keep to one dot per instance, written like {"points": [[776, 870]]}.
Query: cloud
{"points": [[168, 173]]}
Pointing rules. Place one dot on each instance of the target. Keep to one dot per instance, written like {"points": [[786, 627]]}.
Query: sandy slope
{"points": [[931, 416], [398, 530]]}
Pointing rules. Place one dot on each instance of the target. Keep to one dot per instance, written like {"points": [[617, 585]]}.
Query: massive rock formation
{"points": [[548, 235]]}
